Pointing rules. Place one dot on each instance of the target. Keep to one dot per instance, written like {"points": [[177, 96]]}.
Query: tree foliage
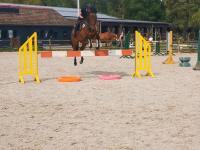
{"points": [[128, 9], [183, 13]]}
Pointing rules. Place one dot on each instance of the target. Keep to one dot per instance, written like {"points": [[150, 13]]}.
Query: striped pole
{"points": [[70, 53]]}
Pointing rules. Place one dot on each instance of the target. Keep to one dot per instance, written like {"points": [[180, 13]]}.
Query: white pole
{"points": [[78, 7]]}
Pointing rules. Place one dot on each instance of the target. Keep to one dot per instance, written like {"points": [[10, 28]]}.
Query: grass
{"points": [[8, 49]]}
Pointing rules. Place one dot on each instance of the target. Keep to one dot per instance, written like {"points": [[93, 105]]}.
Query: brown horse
{"points": [[108, 37], [87, 32]]}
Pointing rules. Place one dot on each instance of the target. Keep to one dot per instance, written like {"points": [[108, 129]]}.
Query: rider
{"points": [[85, 10]]}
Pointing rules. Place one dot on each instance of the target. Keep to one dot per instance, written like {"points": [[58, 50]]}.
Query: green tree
{"points": [[195, 20], [184, 14], [127, 9], [151, 10]]}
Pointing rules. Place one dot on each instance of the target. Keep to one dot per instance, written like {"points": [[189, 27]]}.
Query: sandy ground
{"points": [[161, 113]]}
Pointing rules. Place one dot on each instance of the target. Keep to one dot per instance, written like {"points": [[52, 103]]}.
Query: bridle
{"points": [[90, 27]]}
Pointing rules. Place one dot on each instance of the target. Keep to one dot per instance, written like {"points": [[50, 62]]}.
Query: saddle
{"points": [[80, 24]]}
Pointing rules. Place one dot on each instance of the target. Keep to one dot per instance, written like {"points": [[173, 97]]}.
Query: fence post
{"points": [[28, 59], [142, 56], [169, 60]]}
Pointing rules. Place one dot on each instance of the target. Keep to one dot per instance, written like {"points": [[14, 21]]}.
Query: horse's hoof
{"points": [[81, 61], [75, 63]]}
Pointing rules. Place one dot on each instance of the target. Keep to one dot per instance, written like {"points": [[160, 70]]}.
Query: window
{"points": [[41, 34], [50, 35], [4, 34], [9, 10], [10, 34], [65, 35], [55, 34], [15, 34]]}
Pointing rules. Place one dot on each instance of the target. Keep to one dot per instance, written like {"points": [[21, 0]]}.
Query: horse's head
{"points": [[116, 37], [92, 20]]}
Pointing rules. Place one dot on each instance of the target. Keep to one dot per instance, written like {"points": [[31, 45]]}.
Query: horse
{"points": [[88, 31], [108, 37]]}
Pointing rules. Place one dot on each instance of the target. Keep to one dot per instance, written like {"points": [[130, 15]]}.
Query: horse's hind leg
{"points": [[82, 48], [98, 44], [98, 41], [90, 43]]}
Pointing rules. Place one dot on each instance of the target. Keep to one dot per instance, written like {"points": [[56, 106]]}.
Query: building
{"points": [[113, 24], [17, 22]]}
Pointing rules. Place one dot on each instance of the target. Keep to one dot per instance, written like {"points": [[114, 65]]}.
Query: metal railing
{"points": [[191, 46]]}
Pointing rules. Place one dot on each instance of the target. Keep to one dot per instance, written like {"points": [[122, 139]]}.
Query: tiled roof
{"points": [[32, 16]]}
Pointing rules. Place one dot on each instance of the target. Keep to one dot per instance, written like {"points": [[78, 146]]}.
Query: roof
{"points": [[28, 15], [126, 21], [72, 13], [65, 12]]}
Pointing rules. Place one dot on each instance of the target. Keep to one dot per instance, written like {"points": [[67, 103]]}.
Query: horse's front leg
{"points": [[84, 43], [75, 61], [82, 59], [82, 48]]}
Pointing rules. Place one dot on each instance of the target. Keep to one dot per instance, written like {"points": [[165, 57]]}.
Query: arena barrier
{"points": [[28, 59], [169, 60], [142, 56], [70, 53]]}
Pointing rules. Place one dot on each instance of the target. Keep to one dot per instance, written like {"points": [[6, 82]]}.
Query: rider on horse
{"points": [[85, 10], [85, 30]]}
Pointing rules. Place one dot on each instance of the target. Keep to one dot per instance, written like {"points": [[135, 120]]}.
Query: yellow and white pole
{"points": [[78, 8], [169, 60]]}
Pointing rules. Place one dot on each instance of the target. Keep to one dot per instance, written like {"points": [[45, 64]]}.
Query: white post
{"points": [[78, 8]]}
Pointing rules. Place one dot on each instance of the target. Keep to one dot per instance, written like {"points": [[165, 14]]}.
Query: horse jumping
{"points": [[88, 31]]}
